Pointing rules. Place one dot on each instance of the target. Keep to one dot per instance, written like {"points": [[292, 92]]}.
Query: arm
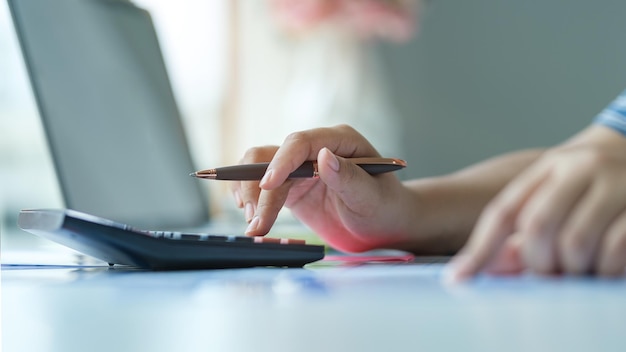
{"points": [[451, 204]]}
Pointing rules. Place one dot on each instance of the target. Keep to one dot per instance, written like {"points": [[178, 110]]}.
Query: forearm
{"points": [[451, 204]]}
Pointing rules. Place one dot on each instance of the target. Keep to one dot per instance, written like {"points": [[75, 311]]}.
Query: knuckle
{"points": [[266, 207], [271, 202], [256, 154], [590, 158], [536, 221], [500, 211], [534, 225], [297, 137], [346, 128], [580, 159]]}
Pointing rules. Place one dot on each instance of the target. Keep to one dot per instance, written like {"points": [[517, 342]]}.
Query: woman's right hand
{"points": [[350, 209]]}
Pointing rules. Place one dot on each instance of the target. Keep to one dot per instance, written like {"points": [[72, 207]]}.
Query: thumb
{"points": [[352, 184]]}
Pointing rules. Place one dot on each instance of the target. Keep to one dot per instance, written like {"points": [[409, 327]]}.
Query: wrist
{"points": [[446, 208], [431, 227], [598, 135]]}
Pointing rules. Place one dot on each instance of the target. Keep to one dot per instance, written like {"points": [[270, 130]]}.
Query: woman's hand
{"points": [[350, 209], [566, 213]]}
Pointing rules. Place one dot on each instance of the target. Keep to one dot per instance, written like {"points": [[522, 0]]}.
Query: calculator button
{"points": [[240, 239], [190, 237], [291, 241], [278, 240], [266, 240], [218, 238]]}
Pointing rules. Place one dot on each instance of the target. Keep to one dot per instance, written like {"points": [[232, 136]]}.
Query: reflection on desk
{"points": [[322, 307]]}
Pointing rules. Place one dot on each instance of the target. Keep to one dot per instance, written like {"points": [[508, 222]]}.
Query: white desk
{"points": [[319, 308]]}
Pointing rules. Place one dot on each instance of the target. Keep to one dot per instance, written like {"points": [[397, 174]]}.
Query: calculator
{"points": [[117, 243]]}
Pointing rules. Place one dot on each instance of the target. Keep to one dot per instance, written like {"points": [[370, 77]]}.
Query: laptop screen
{"points": [[108, 111]]}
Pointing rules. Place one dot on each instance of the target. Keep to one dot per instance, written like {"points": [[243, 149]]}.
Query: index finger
{"points": [[301, 146], [496, 223]]}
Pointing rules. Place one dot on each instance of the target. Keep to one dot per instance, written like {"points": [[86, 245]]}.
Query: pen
{"points": [[252, 172]]}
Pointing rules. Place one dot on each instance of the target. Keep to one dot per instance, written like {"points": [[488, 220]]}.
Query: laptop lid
{"points": [[108, 111]]}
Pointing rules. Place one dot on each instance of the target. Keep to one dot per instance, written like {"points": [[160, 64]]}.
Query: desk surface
{"points": [[374, 307]]}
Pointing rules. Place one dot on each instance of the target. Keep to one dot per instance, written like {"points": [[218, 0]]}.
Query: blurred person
{"points": [[388, 19], [297, 64], [560, 210], [307, 63]]}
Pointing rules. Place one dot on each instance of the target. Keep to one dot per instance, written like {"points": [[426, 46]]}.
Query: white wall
{"points": [[488, 76]]}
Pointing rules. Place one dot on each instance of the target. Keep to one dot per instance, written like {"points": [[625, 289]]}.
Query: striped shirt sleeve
{"points": [[614, 115]]}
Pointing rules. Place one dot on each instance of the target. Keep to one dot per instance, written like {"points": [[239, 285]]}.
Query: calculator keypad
{"points": [[174, 235]]}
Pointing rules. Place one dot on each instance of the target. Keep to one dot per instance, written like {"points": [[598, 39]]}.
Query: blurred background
{"points": [[441, 83]]}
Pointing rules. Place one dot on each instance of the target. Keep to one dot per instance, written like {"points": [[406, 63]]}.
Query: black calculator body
{"points": [[117, 243]]}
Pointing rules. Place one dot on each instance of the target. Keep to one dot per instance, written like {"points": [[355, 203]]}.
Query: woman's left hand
{"points": [[566, 213]]}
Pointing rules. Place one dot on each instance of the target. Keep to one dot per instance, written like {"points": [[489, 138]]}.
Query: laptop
{"points": [[119, 146]]}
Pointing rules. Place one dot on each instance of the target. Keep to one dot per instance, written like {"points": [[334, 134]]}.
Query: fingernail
{"points": [[453, 271], [449, 275], [249, 211], [333, 162], [253, 225], [266, 178]]}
